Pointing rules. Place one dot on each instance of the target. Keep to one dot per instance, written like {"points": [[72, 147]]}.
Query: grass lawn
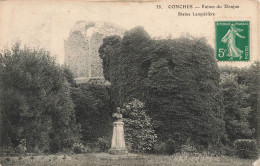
{"points": [[105, 159]]}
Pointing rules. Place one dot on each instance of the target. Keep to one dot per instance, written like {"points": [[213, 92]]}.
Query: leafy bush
{"points": [[21, 148], [159, 148], [246, 148], [170, 146], [138, 128], [188, 147], [220, 150], [8, 149], [78, 148], [103, 144]]}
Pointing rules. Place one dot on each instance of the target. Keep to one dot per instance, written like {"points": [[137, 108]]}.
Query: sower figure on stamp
{"points": [[118, 139], [230, 39]]}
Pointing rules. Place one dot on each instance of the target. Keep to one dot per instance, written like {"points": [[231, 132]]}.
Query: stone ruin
{"points": [[81, 49]]}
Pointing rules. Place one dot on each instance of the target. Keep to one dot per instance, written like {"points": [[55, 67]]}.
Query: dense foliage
{"points": [[183, 92], [178, 79], [109, 52], [92, 109], [246, 148], [139, 134], [236, 108], [248, 78], [122, 60], [36, 107], [240, 87]]}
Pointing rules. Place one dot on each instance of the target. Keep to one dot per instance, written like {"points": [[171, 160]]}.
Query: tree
{"points": [[182, 94], [250, 78], [236, 107], [247, 77], [122, 60], [109, 52], [36, 103], [93, 111]]}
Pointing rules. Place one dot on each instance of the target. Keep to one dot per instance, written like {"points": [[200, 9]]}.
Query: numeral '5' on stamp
{"points": [[232, 40]]}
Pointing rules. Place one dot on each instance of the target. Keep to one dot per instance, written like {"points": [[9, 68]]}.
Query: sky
{"points": [[46, 24]]}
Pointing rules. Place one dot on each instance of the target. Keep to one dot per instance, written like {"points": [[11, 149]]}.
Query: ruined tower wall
{"points": [[81, 48]]}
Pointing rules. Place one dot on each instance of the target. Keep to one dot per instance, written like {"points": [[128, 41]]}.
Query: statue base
{"points": [[118, 140], [117, 151]]}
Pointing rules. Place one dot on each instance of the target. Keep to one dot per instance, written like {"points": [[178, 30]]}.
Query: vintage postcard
{"points": [[142, 82]]}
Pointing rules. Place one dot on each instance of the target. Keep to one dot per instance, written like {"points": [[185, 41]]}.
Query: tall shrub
{"points": [[138, 128], [35, 101]]}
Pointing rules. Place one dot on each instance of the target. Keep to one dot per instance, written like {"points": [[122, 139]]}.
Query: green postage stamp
{"points": [[232, 40]]}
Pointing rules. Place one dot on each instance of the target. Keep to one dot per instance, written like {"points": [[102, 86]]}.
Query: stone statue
{"points": [[118, 139], [118, 115]]}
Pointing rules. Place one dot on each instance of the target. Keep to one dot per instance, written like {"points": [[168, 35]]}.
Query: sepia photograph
{"points": [[129, 83]]}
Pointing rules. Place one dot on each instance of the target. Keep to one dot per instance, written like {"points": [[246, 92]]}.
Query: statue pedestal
{"points": [[118, 139]]}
